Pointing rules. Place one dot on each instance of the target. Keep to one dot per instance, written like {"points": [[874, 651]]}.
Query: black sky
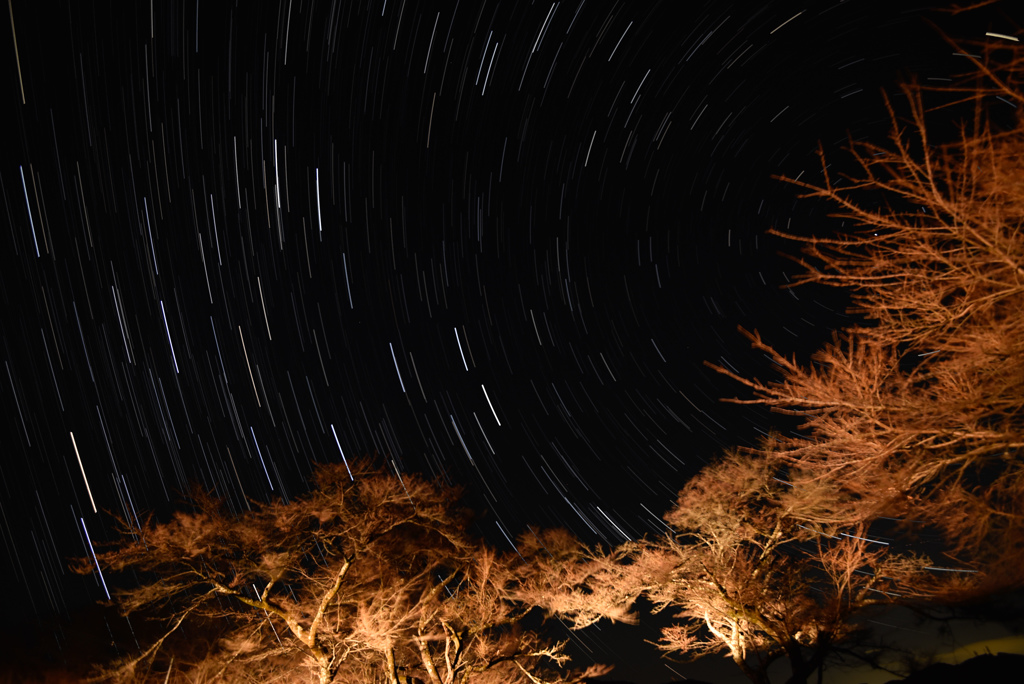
{"points": [[242, 239]]}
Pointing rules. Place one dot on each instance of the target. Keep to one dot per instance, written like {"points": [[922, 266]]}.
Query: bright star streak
{"points": [[94, 560], [87, 487]]}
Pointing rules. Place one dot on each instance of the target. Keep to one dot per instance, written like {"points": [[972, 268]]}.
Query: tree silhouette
{"points": [[371, 577]]}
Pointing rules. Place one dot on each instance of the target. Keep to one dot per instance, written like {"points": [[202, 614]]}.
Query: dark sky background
{"points": [[493, 241]]}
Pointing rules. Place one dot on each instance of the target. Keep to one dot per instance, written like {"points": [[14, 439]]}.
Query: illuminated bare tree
{"points": [[739, 573], [755, 581], [366, 579], [584, 584], [919, 411]]}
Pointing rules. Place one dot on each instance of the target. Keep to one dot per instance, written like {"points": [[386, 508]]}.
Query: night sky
{"points": [[493, 242]]}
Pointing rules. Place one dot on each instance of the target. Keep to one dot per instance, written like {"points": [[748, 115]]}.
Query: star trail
{"points": [[490, 242]]}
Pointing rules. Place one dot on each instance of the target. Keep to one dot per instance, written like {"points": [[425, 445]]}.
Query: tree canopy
{"points": [[371, 577]]}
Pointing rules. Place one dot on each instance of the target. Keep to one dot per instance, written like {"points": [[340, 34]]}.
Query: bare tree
{"points": [[918, 412], [740, 574], [368, 578], [756, 581], [568, 578]]}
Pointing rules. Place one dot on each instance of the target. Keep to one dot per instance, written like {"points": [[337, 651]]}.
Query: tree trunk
{"points": [[428, 662], [759, 676], [804, 667], [798, 665], [392, 675]]}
